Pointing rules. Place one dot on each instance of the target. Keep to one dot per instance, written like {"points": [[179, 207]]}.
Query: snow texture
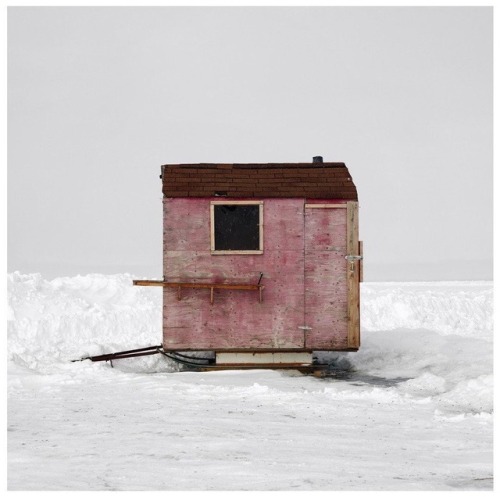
{"points": [[411, 410]]}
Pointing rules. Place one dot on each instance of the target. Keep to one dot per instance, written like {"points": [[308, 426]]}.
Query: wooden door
{"points": [[331, 281]]}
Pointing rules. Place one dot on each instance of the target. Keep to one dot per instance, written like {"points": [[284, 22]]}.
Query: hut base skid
{"points": [[300, 361], [231, 230]]}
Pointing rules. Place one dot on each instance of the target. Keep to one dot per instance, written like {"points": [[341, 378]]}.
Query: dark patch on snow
{"points": [[361, 379], [472, 484]]}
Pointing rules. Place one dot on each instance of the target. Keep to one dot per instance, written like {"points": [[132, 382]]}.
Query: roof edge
{"points": [[269, 165]]}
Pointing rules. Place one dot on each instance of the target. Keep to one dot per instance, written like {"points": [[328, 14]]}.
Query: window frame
{"points": [[213, 203]]}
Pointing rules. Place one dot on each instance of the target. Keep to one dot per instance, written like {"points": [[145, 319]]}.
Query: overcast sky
{"points": [[99, 98]]}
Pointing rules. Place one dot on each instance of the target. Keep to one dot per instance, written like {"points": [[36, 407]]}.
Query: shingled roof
{"points": [[309, 180]]}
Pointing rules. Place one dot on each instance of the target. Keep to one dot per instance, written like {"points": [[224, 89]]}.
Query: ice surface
{"points": [[411, 410]]}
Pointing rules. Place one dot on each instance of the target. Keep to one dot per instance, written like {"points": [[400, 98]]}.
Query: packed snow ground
{"points": [[411, 410]]}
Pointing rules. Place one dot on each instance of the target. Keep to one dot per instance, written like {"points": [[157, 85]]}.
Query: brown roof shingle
{"points": [[309, 180]]}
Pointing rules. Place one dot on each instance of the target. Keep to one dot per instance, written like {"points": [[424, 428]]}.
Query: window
{"points": [[236, 227]]}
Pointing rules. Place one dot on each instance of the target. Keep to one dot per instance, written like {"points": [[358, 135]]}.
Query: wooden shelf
{"points": [[210, 286]]}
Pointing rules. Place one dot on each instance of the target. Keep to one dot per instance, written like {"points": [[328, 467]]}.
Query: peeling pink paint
{"points": [[304, 270]]}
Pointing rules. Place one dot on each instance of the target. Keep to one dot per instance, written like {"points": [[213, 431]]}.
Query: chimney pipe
{"points": [[318, 158]]}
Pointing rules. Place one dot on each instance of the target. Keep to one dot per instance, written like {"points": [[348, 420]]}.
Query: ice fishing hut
{"points": [[261, 262]]}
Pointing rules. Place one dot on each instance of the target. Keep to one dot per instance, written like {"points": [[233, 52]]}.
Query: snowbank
{"points": [[449, 308], [411, 410], [71, 317], [436, 336]]}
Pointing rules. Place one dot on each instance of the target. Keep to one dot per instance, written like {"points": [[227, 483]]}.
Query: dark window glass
{"points": [[236, 227]]}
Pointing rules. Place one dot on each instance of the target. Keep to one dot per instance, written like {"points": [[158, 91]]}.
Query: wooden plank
{"points": [[180, 284], [326, 206], [353, 323], [212, 227], [236, 202], [237, 252], [361, 262], [261, 227], [147, 282]]}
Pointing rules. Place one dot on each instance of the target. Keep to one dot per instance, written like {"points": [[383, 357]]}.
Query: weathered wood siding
{"points": [[325, 278], [236, 320], [305, 278], [353, 338]]}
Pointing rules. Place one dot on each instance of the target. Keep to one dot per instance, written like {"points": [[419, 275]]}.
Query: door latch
{"points": [[352, 259]]}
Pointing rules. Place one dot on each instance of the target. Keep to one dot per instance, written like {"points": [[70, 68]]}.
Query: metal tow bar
{"points": [[124, 354], [155, 349]]}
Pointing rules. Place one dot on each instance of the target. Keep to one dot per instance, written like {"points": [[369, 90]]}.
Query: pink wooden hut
{"points": [[261, 262]]}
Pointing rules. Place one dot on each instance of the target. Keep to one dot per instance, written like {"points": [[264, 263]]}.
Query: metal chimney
{"points": [[318, 158]]}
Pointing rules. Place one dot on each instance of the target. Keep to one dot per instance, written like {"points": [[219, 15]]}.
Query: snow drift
{"points": [[411, 410], [436, 336]]}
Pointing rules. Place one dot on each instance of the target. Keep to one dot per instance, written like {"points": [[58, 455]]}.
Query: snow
{"points": [[411, 410]]}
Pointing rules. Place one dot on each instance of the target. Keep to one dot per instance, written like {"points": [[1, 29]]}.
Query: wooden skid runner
{"points": [[315, 369]]}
